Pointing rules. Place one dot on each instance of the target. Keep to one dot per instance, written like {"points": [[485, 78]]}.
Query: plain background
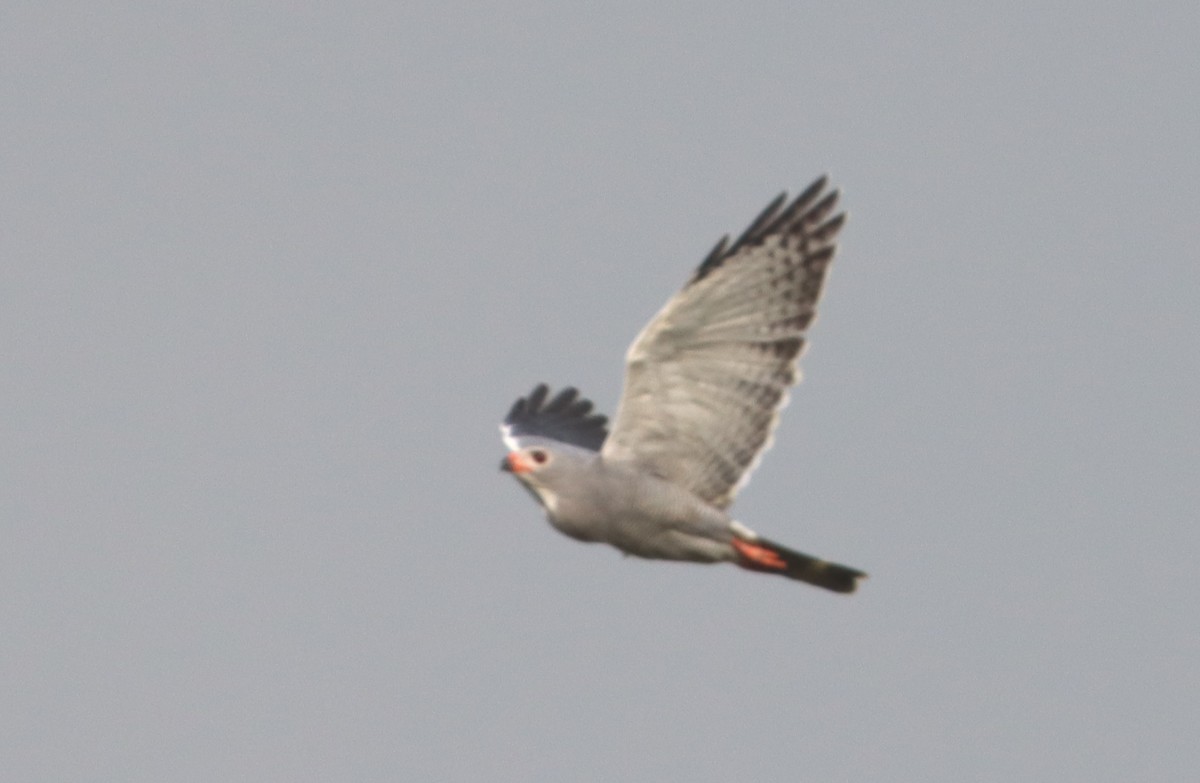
{"points": [[272, 272]]}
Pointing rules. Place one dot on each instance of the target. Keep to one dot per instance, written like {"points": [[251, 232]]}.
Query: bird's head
{"points": [[525, 462], [548, 470], [553, 442], [540, 464]]}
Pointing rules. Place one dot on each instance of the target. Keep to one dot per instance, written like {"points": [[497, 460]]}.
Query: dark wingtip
{"points": [[778, 217], [566, 417]]}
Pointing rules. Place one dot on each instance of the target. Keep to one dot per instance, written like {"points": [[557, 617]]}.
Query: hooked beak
{"points": [[514, 463]]}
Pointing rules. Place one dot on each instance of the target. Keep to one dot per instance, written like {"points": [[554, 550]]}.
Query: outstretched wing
{"points": [[706, 378], [566, 418]]}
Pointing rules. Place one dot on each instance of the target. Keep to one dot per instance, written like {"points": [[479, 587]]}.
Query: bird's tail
{"points": [[760, 554]]}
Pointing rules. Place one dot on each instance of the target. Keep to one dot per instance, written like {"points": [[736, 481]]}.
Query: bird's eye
{"points": [[539, 456]]}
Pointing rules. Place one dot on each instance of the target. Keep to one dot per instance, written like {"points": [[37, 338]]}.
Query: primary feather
{"points": [[707, 377]]}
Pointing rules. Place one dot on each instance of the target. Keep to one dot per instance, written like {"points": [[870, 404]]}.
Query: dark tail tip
{"points": [[831, 576], [806, 568]]}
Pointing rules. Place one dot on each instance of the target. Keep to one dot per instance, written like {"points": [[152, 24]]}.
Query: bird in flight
{"points": [[704, 384]]}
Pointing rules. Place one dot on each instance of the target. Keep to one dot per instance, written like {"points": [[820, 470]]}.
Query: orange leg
{"points": [[758, 555]]}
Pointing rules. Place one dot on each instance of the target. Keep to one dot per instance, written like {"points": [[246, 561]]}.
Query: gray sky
{"points": [[272, 275]]}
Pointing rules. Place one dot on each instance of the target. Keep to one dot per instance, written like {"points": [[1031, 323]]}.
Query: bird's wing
{"points": [[706, 378], [566, 418]]}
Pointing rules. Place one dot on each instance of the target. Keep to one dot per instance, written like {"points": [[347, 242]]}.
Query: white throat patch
{"points": [[549, 499]]}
